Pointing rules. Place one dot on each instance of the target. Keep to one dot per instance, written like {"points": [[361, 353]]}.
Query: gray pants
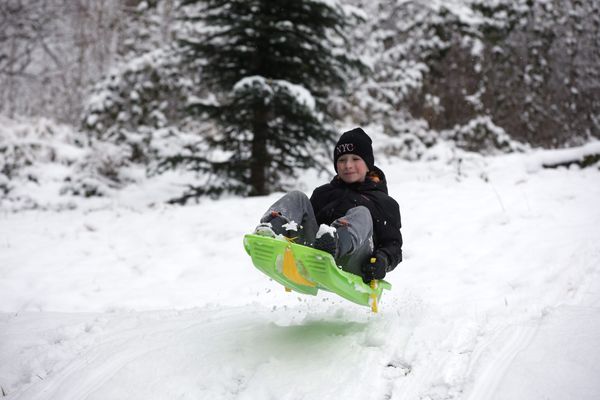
{"points": [[296, 207]]}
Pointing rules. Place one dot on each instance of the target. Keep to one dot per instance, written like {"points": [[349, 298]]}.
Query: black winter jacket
{"points": [[331, 201]]}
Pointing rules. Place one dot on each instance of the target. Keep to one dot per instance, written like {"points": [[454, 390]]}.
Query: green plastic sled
{"points": [[306, 270]]}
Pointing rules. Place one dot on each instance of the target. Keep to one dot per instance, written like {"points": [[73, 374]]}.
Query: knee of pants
{"points": [[297, 194], [358, 216], [359, 210], [360, 213]]}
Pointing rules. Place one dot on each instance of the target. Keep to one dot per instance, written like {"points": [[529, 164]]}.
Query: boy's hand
{"points": [[375, 268]]}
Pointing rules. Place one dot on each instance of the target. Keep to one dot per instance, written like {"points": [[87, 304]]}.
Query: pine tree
{"points": [[272, 65]]}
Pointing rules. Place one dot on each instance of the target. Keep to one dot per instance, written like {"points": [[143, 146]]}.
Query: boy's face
{"points": [[352, 168]]}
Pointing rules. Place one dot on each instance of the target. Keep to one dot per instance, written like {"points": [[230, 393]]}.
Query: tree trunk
{"points": [[260, 160]]}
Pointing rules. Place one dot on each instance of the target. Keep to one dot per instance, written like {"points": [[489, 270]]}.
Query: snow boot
{"points": [[335, 241], [277, 225]]}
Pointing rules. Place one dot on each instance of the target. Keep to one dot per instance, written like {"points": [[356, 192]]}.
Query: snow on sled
{"points": [[306, 270]]}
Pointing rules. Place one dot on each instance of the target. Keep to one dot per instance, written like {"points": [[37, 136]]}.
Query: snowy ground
{"points": [[498, 298]]}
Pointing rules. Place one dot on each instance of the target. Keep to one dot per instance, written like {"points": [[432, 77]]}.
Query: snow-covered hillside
{"points": [[498, 298]]}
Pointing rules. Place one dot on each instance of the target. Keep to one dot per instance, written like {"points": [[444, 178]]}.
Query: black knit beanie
{"points": [[355, 141]]}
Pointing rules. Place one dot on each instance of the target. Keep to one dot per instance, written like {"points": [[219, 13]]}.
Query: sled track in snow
{"points": [[241, 352], [496, 355]]}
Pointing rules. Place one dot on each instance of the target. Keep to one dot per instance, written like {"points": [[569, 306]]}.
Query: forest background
{"points": [[242, 94]]}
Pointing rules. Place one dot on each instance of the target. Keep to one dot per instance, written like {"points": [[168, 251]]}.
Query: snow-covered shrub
{"points": [[146, 93], [22, 144], [481, 135], [46, 166], [172, 142], [409, 139], [36, 156], [42, 163], [100, 171]]}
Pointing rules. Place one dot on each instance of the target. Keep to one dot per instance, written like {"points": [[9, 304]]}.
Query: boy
{"points": [[359, 221]]}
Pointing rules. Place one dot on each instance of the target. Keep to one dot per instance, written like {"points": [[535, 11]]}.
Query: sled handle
{"points": [[373, 296], [373, 285]]}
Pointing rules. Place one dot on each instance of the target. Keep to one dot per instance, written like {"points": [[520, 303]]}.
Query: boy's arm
{"points": [[390, 237]]}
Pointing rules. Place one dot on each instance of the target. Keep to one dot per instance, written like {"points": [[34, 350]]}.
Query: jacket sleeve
{"points": [[389, 237]]}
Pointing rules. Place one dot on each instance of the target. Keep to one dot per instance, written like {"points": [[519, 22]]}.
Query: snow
{"points": [[268, 86], [571, 331], [325, 229], [566, 155], [300, 93], [291, 226], [497, 298]]}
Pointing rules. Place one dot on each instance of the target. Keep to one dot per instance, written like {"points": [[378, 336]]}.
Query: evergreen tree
{"points": [[272, 65]]}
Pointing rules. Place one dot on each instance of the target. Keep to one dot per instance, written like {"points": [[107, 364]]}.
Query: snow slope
{"points": [[498, 298]]}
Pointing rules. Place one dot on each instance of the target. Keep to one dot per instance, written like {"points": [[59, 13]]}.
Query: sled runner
{"points": [[306, 270]]}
